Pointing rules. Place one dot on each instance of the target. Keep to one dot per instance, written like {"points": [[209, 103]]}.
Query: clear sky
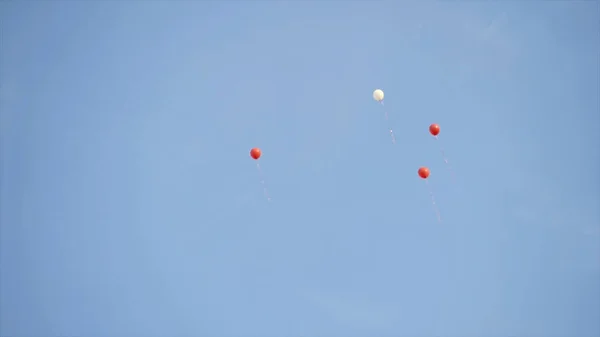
{"points": [[130, 205]]}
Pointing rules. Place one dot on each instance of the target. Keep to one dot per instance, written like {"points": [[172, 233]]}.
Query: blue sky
{"points": [[130, 206]]}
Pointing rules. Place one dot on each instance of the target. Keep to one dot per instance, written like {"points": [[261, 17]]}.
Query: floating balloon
{"points": [[255, 153], [434, 129], [423, 172], [378, 95]]}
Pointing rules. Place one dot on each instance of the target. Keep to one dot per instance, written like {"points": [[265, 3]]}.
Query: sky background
{"points": [[130, 205]]}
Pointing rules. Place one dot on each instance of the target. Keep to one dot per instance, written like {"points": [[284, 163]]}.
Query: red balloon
{"points": [[423, 172], [255, 153], [434, 129]]}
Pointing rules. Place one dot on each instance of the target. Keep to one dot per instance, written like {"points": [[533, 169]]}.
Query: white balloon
{"points": [[378, 95]]}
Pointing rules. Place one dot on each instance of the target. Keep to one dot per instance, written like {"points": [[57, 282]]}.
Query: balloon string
{"points": [[388, 121], [446, 160], [262, 181], [437, 212]]}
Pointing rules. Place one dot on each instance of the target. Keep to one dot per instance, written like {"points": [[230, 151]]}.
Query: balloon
{"points": [[378, 95], [255, 153], [434, 129], [423, 172]]}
